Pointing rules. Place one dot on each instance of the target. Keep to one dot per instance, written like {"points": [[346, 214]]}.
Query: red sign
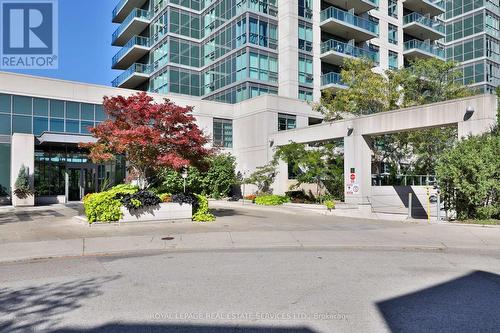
{"points": [[353, 177]]}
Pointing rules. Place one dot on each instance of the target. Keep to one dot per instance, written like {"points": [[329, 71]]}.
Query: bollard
{"points": [[409, 205]]}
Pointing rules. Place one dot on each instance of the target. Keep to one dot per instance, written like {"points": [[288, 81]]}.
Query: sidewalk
{"points": [[237, 227]]}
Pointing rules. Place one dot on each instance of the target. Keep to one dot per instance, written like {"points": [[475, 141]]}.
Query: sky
{"points": [[85, 50]]}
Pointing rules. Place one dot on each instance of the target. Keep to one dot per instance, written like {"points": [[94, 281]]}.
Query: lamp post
{"points": [[184, 175]]}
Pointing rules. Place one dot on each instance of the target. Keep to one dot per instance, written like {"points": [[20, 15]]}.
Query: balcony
{"points": [[123, 9], [133, 25], [419, 49], [333, 81], [359, 6], [422, 27], [347, 25], [133, 77], [432, 7], [334, 52], [134, 50]]}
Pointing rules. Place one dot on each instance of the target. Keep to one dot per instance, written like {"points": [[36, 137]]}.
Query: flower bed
{"points": [[126, 203]]}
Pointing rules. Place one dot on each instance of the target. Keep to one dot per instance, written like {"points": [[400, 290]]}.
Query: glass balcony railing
{"points": [[118, 7], [373, 2], [136, 40], [419, 18], [426, 47], [331, 78], [437, 3], [135, 68], [347, 49], [348, 18], [136, 13]]}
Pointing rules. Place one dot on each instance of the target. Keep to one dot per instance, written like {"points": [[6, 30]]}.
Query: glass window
{"points": [[5, 103], [100, 115], [72, 110], [392, 9], [4, 168], [21, 124], [22, 105], [393, 34], [305, 8], [72, 126], [56, 125], [85, 127], [393, 60], [5, 124], [223, 133], [286, 121], [41, 107], [87, 111], [40, 125], [56, 109]]}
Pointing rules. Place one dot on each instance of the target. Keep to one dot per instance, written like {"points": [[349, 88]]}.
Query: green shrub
{"points": [[271, 200], [330, 204], [202, 213], [105, 206]]}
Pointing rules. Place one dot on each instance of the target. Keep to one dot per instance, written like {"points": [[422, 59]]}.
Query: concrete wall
{"points": [[22, 154], [394, 199]]}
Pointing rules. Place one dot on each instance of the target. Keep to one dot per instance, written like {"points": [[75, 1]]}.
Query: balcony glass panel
{"points": [[419, 18], [340, 15], [347, 49], [426, 47], [135, 68], [136, 13], [136, 40], [331, 78], [118, 7]]}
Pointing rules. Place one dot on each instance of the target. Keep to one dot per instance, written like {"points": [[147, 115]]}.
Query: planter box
{"points": [[24, 202], [50, 200], [162, 212]]}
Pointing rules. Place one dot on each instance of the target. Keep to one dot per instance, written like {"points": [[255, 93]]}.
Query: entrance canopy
{"points": [[472, 115], [51, 137]]}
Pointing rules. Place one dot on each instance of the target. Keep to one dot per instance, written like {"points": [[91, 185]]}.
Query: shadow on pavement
{"points": [[151, 328], [28, 309], [470, 303], [221, 212]]}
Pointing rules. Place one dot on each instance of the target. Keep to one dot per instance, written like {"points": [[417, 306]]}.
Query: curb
{"points": [[84, 247]]}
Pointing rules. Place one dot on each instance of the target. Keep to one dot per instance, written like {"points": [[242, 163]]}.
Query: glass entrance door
{"points": [[82, 180]]}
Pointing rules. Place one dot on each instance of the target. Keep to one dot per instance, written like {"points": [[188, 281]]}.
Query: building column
{"points": [[357, 169], [22, 154], [316, 51], [288, 58]]}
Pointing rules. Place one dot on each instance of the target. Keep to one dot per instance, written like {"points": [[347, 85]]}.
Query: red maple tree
{"points": [[151, 135]]}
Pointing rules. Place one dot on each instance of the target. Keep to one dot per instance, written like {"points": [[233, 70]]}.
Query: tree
{"points": [[216, 181], [469, 177], [367, 92], [428, 81], [151, 135], [263, 177], [319, 165], [22, 188]]}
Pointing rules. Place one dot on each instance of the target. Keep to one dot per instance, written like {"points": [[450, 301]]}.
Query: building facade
{"points": [[42, 122], [232, 50], [473, 39]]}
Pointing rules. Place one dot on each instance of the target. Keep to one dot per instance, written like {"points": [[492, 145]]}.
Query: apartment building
{"points": [[232, 50], [473, 39]]}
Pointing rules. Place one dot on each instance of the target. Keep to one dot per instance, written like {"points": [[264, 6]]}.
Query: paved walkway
{"points": [[50, 231]]}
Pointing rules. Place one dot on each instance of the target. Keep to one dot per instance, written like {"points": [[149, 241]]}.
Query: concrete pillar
{"points": [[288, 57], [475, 127], [280, 185], [22, 153], [357, 162], [316, 51]]}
